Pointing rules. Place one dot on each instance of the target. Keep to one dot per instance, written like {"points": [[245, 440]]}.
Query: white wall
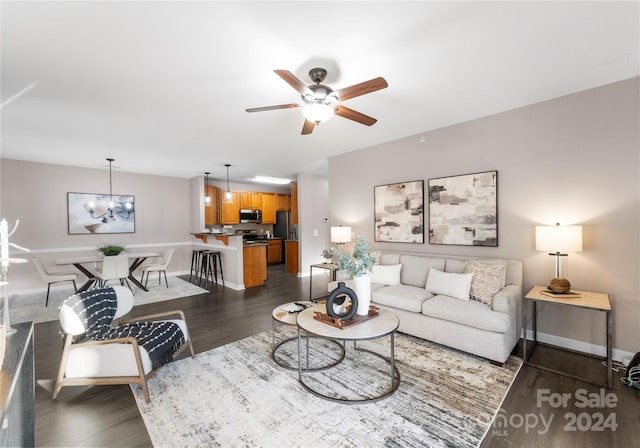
{"points": [[313, 231], [573, 160]]}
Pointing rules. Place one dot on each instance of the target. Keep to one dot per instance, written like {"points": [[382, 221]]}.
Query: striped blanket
{"points": [[97, 308]]}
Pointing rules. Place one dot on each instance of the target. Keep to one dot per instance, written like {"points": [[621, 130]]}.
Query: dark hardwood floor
{"points": [[108, 415]]}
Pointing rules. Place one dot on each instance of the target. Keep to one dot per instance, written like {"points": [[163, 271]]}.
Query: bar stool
{"points": [[196, 263], [212, 266]]}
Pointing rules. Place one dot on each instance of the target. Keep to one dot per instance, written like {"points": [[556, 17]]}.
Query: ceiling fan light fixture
{"points": [[318, 112]]}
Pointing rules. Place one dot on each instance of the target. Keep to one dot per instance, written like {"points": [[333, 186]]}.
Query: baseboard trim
{"points": [[578, 346]]}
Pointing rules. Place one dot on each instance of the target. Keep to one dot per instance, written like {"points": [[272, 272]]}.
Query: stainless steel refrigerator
{"points": [[282, 228]]}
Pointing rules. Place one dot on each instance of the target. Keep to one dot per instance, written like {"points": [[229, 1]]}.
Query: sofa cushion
{"points": [[385, 274], [497, 262], [471, 313], [404, 297], [486, 281], [457, 266], [415, 269], [449, 284], [385, 258]]}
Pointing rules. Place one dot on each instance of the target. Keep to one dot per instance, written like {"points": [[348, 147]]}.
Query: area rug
{"points": [[30, 307], [236, 396]]}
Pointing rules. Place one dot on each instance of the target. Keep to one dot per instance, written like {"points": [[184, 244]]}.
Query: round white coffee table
{"points": [[384, 324], [282, 315]]}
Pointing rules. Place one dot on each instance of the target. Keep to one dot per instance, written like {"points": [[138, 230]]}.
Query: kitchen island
{"points": [[255, 264]]}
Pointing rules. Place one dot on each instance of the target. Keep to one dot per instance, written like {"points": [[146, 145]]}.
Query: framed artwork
{"points": [[100, 213], [463, 210], [399, 212]]}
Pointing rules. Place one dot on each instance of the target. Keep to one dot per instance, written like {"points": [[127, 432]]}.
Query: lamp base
{"points": [[559, 284]]}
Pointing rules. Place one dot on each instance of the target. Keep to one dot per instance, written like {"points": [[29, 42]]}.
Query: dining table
{"points": [[136, 259]]}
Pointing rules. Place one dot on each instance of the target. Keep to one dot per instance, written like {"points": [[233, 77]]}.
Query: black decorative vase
{"points": [[338, 297]]}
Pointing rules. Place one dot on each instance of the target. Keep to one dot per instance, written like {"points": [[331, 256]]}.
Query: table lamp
{"points": [[340, 235], [558, 241]]}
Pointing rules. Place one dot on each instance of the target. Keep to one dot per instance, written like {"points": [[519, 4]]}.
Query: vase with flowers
{"points": [[359, 264]]}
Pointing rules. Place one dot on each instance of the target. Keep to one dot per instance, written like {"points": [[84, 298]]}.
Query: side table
{"points": [[330, 266], [587, 300]]}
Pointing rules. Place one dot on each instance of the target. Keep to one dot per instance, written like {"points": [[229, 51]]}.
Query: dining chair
{"points": [[160, 268], [54, 277], [115, 267]]}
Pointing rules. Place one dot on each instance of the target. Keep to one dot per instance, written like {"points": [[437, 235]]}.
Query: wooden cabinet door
{"points": [[245, 199], [256, 200], [282, 202], [294, 203], [291, 256], [274, 251], [212, 209], [231, 211], [268, 208]]}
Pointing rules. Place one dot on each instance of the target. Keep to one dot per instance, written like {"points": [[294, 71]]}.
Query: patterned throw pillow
{"points": [[486, 281]]}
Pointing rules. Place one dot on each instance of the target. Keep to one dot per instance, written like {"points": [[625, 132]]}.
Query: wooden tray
{"points": [[343, 324]]}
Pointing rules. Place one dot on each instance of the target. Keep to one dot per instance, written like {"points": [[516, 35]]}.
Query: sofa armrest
{"points": [[506, 300]]}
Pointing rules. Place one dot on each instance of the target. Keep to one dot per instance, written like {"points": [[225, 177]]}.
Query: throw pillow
{"points": [[486, 282], [449, 284], [386, 274]]}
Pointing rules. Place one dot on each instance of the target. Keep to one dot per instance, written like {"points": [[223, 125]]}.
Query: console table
{"points": [[589, 300], [17, 391]]}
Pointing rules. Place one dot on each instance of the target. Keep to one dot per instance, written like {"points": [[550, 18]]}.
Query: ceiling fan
{"points": [[322, 102]]}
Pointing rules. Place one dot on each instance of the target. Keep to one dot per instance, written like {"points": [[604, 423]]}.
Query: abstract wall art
{"points": [[100, 213], [463, 210], [399, 212]]}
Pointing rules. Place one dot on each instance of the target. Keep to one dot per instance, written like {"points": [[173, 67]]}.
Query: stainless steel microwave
{"points": [[254, 216]]}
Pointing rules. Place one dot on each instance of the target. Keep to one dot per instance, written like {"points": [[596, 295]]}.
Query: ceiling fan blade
{"points": [[307, 127], [360, 89], [280, 106], [294, 82], [351, 114]]}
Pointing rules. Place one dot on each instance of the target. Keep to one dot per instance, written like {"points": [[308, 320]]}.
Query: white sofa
{"points": [[421, 289]]}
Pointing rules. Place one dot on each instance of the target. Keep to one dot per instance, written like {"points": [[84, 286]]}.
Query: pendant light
{"points": [[228, 197], [207, 198], [121, 209]]}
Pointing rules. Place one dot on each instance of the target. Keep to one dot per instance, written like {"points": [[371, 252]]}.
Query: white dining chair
{"points": [[160, 268], [55, 277], [115, 267]]}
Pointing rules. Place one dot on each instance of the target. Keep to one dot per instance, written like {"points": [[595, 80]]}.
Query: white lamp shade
{"points": [[559, 239], [341, 234]]}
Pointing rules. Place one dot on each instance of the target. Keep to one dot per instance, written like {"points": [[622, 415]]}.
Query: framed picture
{"points": [[463, 210], [100, 213], [399, 212]]}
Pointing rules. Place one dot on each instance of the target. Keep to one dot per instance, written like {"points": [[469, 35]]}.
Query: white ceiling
{"points": [[162, 87]]}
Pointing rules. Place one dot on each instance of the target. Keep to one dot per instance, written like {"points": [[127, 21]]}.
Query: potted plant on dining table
{"points": [[109, 250]]}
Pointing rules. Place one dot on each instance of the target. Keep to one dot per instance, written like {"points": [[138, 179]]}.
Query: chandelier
{"points": [[115, 208]]}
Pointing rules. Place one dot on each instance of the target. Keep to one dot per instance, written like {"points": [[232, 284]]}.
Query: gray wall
{"points": [[36, 193], [573, 160]]}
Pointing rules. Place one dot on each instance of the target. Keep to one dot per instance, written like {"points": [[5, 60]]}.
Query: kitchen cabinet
{"points": [[274, 251], [294, 203], [255, 265], [282, 202], [230, 212], [256, 200], [245, 199], [212, 211], [268, 208], [291, 257]]}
